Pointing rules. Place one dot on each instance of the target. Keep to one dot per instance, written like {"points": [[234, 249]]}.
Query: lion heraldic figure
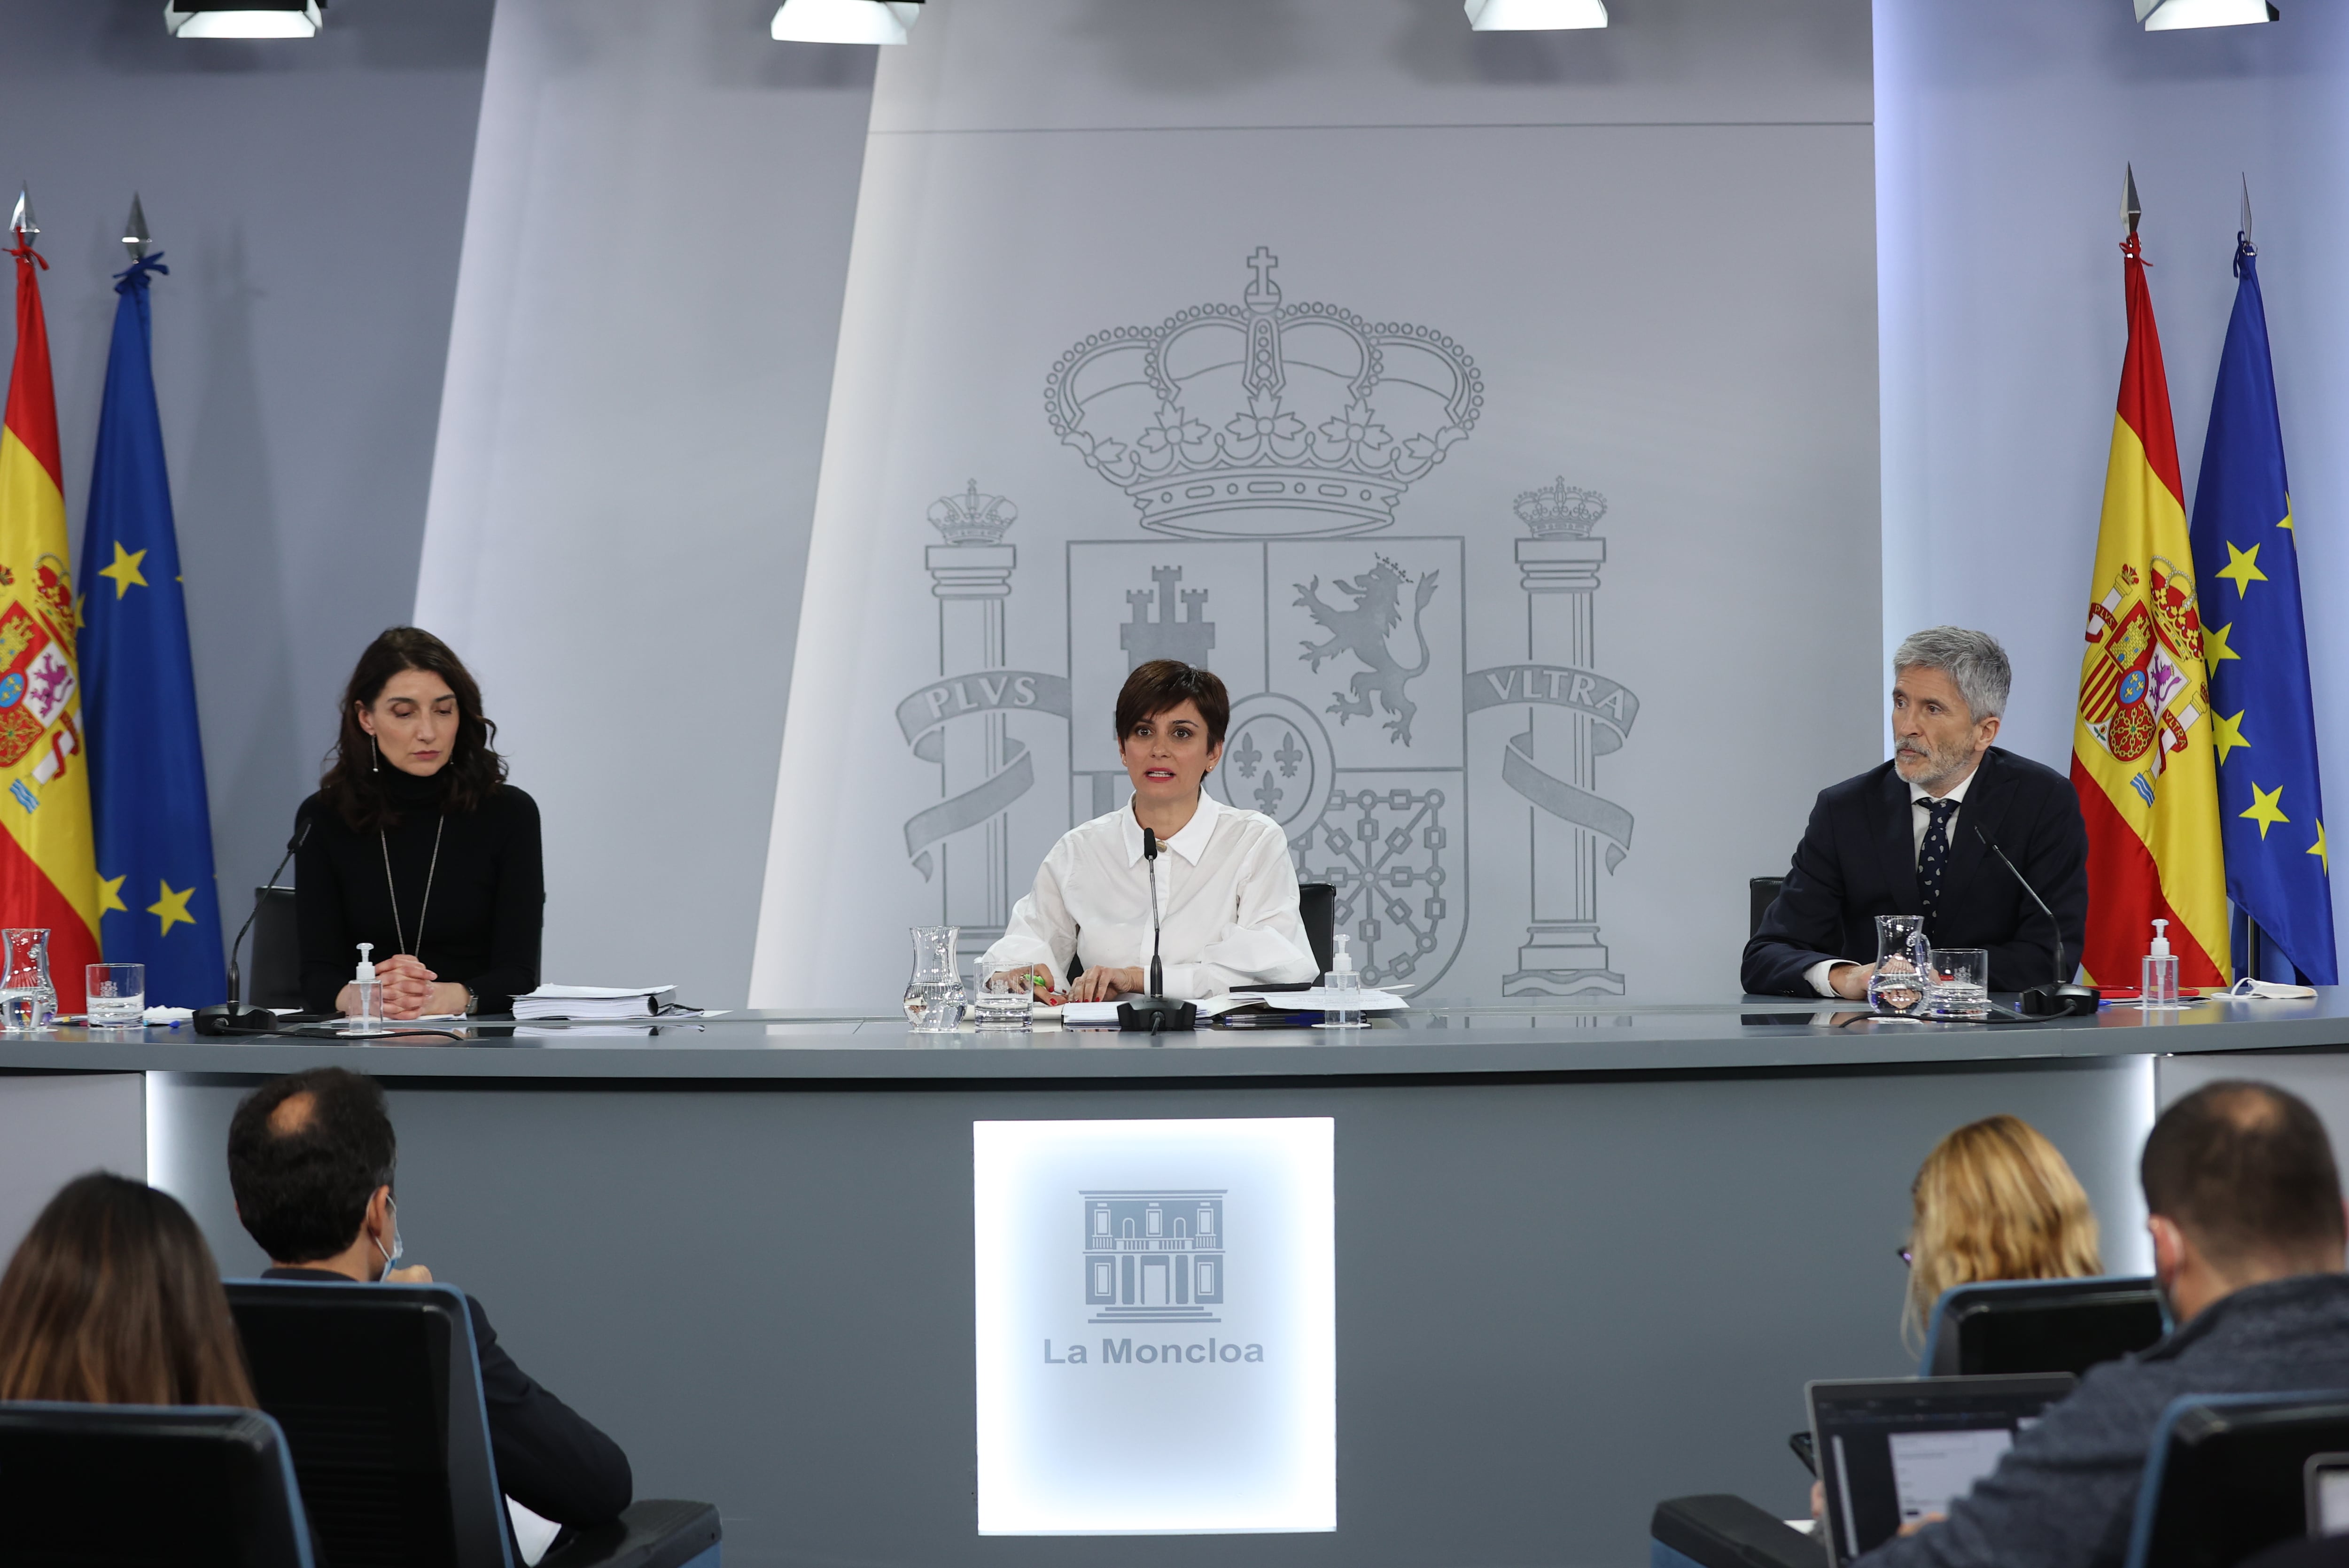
{"points": [[1362, 630]]}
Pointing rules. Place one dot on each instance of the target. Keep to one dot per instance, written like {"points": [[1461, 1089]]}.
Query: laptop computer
{"points": [[1896, 1451]]}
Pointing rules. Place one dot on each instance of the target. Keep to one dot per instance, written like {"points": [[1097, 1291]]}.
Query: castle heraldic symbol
{"points": [[1154, 1256], [1259, 443]]}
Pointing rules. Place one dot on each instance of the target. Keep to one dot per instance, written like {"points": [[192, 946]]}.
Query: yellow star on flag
{"points": [[2228, 734], [173, 906], [2243, 567], [2263, 809], [110, 894], [2214, 646], [125, 570], [2287, 515], [2317, 849]]}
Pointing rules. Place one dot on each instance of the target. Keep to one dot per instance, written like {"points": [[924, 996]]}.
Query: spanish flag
{"points": [[49, 870], [2141, 757]]}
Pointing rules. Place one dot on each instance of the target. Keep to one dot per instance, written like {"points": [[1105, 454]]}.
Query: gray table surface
{"points": [[1558, 1038]]}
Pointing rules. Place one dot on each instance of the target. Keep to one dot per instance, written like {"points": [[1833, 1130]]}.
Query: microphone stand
{"points": [[235, 1017], [2061, 999], [1154, 1012]]}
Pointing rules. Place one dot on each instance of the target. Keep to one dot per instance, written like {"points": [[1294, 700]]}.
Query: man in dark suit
{"points": [[1908, 837], [310, 1159]]}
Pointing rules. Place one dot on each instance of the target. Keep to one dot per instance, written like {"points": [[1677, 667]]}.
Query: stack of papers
{"points": [[594, 1003], [1321, 999]]}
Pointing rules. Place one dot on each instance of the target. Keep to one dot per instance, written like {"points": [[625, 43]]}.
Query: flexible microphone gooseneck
{"points": [[235, 1017], [1154, 1012], [2061, 999]]}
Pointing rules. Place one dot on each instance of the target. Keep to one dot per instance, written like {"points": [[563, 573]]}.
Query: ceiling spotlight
{"points": [[1542, 15], [244, 18], [846, 21], [2163, 15]]}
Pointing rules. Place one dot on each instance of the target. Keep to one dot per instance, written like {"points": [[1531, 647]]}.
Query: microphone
{"points": [[1154, 1012], [235, 1017], [2062, 999]]}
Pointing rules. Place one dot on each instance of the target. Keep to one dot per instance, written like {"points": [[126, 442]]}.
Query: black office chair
{"points": [[2009, 1326], [379, 1391], [2223, 1475], [275, 979], [1719, 1530], [147, 1486], [1316, 907], [1761, 893]]}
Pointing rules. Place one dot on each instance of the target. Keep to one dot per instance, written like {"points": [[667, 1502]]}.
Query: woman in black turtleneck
{"points": [[419, 845]]}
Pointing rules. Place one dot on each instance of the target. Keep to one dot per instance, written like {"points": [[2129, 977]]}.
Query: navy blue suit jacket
{"points": [[1857, 860]]}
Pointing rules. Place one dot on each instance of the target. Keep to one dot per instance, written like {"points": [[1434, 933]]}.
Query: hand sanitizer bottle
{"points": [[1346, 981], [368, 988], [2160, 988]]}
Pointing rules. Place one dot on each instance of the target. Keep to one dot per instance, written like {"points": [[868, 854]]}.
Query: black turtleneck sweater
{"points": [[481, 927]]}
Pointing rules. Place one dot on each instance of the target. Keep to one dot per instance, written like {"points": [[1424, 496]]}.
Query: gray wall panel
{"points": [[53, 1129]]}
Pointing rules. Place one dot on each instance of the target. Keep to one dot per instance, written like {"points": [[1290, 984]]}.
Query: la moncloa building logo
{"points": [[1155, 1255]]}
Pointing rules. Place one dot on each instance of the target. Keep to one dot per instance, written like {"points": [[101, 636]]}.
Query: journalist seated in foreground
{"points": [[310, 1160], [1227, 890], [2246, 1217], [1913, 836]]}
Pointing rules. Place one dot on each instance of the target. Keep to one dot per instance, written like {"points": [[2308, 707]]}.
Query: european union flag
{"points": [[2263, 721], [157, 900]]}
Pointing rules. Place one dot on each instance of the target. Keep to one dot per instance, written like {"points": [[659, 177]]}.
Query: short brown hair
{"points": [[1994, 1199], [302, 1190], [1163, 684], [113, 1299], [2246, 1170]]}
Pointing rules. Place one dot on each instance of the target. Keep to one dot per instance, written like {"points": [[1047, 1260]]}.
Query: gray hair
{"points": [[1971, 659]]}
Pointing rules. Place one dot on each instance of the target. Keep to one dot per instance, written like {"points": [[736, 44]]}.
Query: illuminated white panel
{"points": [[1156, 1326]]}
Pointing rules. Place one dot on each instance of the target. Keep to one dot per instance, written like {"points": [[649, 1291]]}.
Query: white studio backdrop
{"points": [[1496, 414], [647, 309]]}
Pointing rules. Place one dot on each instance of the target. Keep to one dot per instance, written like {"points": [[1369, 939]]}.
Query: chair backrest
{"points": [[1761, 893], [275, 980], [134, 1485], [2018, 1326], [379, 1390], [1317, 906], [2223, 1475]]}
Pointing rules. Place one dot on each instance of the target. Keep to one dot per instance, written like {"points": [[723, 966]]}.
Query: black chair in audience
{"points": [[147, 1486], [1723, 1531], [1760, 894], [379, 1392], [2009, 1326], [275, 979], [2223, 1476]]}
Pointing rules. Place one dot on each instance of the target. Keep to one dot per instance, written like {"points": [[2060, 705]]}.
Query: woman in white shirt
{"points": [[1227, 890]]}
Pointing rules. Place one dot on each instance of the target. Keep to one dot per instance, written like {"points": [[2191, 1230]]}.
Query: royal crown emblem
{"points": [[1265, 419], [1560, 510], [971, 517]]}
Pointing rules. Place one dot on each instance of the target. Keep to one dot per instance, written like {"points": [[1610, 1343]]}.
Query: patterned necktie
{"points": [[1933, 859]]}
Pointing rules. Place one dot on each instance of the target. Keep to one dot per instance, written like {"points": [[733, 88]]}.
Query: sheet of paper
{"points": [[597, 993]]}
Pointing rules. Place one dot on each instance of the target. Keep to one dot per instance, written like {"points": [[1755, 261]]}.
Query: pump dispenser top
{"points": [[2160, 948], [1341, 962], [366, 971]]}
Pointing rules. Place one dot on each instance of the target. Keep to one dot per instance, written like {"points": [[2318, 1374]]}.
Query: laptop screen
{"points": [[1896, 1451]]}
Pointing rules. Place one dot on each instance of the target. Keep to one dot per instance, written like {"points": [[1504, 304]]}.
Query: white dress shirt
{"points": [[1921, 821], [1226, 899]]}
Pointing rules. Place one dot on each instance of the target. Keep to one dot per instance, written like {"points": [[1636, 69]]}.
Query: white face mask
{"points": [[391, 1258]]}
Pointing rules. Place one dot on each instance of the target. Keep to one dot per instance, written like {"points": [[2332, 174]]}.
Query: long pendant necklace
{"points": [[398, 931]]}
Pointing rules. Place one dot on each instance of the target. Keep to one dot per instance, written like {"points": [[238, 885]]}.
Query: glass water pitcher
{"points": [[27, 999], [936, 997], [1902, 952]]}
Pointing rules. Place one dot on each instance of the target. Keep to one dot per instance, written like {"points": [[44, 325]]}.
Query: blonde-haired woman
{"points": [[1993, 1201]]}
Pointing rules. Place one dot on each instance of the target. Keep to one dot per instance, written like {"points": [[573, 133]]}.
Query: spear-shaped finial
{"points": [[20, 222], [134, 231], [2129, 209], [2247, 207]]}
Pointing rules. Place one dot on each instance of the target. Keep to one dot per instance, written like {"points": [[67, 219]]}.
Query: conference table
{"points": [[1586, 1254]]}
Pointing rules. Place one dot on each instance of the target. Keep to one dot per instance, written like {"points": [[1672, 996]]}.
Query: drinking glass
{"points": [[1959, 986], [1001, 1001], [25, 974], [118, 996], [935, 997], [1898, 985]]}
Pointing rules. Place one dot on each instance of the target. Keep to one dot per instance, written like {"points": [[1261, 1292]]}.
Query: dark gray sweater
{"points": [[2064, 1495]]}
